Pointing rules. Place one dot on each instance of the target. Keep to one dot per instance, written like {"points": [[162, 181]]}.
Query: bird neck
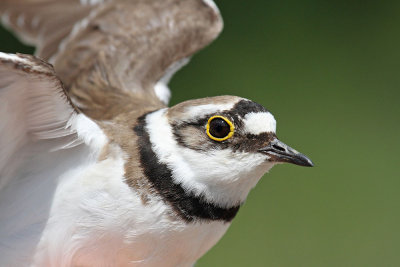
{"points": [[188, 205]]}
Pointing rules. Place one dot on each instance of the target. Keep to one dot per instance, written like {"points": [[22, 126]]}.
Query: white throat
{"points": [[222, 177]]}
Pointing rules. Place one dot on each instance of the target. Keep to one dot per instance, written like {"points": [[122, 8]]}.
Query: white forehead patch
{"points": [[260, 122]]}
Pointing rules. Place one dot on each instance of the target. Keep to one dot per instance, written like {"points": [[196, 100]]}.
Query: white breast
{"points": [[104, 223], [26, 202]]}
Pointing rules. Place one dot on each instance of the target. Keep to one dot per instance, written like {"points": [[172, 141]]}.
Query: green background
{"points": [[329, 72]]}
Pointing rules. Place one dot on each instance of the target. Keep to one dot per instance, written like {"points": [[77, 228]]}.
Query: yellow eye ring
{"points": [[231, 128]]}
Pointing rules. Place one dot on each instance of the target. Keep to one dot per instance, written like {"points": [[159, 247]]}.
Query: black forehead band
{"points": [[241, 109], [244, 107]]}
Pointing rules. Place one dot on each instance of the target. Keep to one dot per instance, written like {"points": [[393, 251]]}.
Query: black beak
{"points": [[280, 152]]}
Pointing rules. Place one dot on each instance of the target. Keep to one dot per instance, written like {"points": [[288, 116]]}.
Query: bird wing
{"points": [[120, 56], [33, 107], [36, 119]]}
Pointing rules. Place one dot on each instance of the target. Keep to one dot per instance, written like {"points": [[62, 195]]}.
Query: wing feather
{"points": [[116, 56], [33, 106], [43, 23]]}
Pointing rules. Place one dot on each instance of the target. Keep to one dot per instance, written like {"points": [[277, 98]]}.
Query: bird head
{"points": [[218, 147]]}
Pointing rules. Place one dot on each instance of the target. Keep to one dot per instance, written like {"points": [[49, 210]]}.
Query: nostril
{"points": [[278, 147]]}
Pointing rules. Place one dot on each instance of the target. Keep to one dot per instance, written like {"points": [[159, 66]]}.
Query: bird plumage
{"points": [[95, 169], [115, 56]]}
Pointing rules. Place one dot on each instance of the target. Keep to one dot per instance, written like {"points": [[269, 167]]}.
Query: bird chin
{"points": [[268, 165]]}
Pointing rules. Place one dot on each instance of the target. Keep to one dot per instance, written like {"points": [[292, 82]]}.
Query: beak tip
{"points": [[305, 161], [280, 152], [310, 163]]}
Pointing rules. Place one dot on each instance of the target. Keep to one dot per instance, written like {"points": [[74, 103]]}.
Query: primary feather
{"points": [[38, 130], [34, 107]]}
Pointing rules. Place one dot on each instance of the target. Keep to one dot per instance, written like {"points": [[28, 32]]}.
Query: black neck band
{"points": [[188, 206]]}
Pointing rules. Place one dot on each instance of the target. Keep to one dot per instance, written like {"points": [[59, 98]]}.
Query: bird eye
{"points": [[219, 128]]}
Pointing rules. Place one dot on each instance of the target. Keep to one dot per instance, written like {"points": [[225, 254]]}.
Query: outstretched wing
{"points": [[35, 114], [120, 57], [33, 107]]}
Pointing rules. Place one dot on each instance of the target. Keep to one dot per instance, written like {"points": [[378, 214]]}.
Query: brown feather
{"points": [[43, 23], [118, 49], [120, 132], [127, 47], [175, 112]]}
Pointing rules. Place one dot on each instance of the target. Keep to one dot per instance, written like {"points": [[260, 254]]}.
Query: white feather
{"points": [[88, 131], [25, 202], [105, 223], [33, 108], [261, 122]]}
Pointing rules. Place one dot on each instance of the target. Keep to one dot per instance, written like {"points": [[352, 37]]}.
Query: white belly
{"points": [[97, 220]]}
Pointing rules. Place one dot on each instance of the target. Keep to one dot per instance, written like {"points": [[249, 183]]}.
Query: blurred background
{"points": [[329, 72]]}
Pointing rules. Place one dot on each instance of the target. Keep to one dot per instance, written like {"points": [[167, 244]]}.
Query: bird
{"points": [[95, 168]]}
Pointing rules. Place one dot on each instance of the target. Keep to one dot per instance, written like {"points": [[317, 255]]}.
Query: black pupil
{"points": [[219, 128]]}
